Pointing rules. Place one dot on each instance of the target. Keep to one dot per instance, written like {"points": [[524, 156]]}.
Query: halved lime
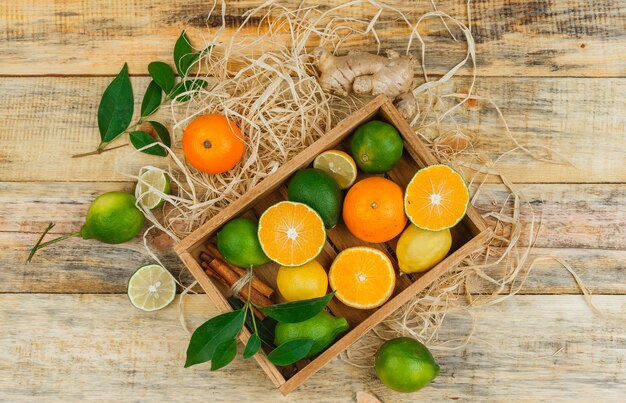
{"points": [[151, 181], [151, 288]]}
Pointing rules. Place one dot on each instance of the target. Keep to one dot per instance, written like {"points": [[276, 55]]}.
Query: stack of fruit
{"points": [[375, 210]]}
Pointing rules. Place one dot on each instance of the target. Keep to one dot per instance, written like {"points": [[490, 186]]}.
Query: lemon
{"points": [[151, 182], [419, 250], [151, 288], [302, 282], [339, 165]]}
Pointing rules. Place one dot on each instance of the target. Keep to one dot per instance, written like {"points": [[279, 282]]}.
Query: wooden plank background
{"points": [[557, 68]]}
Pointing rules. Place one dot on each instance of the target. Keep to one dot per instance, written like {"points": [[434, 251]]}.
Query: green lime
{"points": [[376, 147], [323, 328], [151, 288], [405, 365], [318, 190], [238, 242], [112, 218], [151, 182]]}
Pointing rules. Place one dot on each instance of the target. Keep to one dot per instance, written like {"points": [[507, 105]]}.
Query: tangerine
{"points": [[213, 144], [362, 277], [373, 210]]}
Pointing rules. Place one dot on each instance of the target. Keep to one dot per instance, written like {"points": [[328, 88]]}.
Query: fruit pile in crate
{"points": [[326, 248]]}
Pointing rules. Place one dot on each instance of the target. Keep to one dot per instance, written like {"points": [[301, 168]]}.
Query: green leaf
{"points": [[151, 99], [212, 333], [252, 347], [265, 327], [185, 86], [297, 311], [162, 132], [141, 139], [291, 351], [224, 353], [116, 107], [163, 75], [184, 56]]}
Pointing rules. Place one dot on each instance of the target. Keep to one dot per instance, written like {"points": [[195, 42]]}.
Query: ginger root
{"points": [[368, 74]]}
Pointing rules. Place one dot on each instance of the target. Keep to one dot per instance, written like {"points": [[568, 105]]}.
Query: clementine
{"points": [[373, 210], [213, 144]]}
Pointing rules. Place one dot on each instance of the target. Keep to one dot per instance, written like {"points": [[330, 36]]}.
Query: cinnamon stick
{"points": [[209, 271], [231, 278], [257, 284]]}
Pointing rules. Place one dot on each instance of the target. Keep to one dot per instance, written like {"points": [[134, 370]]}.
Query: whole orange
{"points": [[213, 144], [373, 210]]}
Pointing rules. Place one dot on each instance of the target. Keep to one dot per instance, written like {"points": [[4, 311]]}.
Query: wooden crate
{"points": [[468, 236]]}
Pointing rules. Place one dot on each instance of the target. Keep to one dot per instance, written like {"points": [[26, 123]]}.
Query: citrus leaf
{"points": [[224, 353], [151, 99], [297, 311], [116, 107], [265, 327], [186, 86], [163, 75], [291, 351], [162, 132], [184, 56], [252, 347], [141, 139], [212, 333]]}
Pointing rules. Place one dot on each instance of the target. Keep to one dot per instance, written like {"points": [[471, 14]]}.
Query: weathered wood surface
{"points": [[539, 38], [97, 347], [123, 354], [52, 118], [581, 224]]}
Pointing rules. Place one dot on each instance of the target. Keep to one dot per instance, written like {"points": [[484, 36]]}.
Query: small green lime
{"points": [[323, 328], [376, 147], [318, 190], [112, 218], [405, 365], [239, 243]]}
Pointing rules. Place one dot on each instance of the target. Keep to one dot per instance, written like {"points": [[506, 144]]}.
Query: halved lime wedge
{"points": [[339, 165], [151, 288], [151, 181]]}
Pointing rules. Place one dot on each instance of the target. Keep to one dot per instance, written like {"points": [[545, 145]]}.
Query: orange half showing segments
{"points": [[291, 234], [436, 198], [362, 277]]}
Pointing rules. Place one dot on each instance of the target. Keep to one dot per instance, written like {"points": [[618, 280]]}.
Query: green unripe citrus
{"points": [[238, 242], [376, 147], [405, 365], [323, 328], [318, 190], [112, 218]]}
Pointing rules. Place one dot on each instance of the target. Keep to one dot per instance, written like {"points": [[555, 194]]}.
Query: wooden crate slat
{"points": [[469, 237]]}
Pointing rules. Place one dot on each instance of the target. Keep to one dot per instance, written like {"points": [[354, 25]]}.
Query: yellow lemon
{"points": [[419, 250], [302, 282]]}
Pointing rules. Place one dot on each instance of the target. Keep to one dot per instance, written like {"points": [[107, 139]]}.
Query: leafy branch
{"points": [[216, 339], [116, 108]]}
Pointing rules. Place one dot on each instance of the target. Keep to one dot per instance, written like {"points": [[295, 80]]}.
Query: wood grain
{"points": [[123, 354], [574, 216], [539, 38], [53, 118]]}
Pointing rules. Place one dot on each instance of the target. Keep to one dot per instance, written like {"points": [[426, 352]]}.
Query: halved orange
{"points": [[362, 277], [291, 234], [436, 198]]}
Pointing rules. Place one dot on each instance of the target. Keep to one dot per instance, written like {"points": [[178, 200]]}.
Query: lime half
{"points": [[151, 181], [151, 288]]}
